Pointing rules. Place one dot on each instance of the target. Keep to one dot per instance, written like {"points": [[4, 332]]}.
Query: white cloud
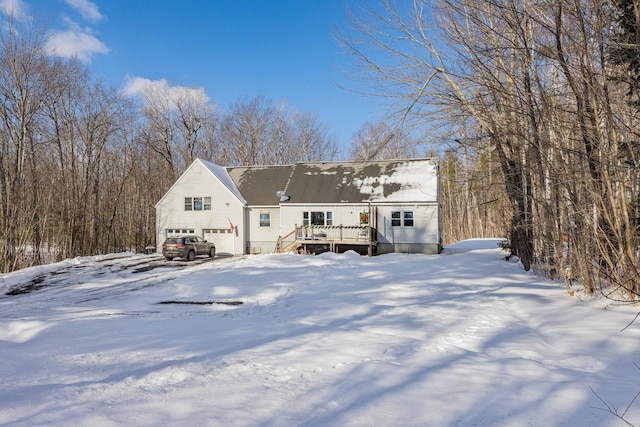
{"points": [[75, 43], [162, 90], [135, 86], [15, 8], [87, 9]]}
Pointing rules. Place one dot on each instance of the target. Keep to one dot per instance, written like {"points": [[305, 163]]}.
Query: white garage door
{"points": [[223, 239]]}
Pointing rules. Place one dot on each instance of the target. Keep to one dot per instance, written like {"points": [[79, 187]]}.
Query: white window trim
{"points": [[327, 221], [190, 201], [260, 219], [402, 219]]}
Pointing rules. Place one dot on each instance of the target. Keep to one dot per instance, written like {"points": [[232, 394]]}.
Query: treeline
{"points": [[541, 105], [83, 164]]}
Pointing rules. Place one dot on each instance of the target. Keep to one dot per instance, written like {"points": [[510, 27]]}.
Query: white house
{"points": [[373, 207]]}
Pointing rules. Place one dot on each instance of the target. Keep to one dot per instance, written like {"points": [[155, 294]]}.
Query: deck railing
{"points": [[335, 233], [286, 243], [330, 235]]}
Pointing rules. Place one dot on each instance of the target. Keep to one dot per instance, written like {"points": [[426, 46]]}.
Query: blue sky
{"points": [[282, 49]]}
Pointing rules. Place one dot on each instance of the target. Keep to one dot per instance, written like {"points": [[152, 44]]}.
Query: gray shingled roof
{"points": [[259, 184], [411, 180]]}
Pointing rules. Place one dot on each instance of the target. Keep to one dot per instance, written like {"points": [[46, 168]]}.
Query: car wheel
{"points": [[191, 256], [169, 258], [212, 253]]}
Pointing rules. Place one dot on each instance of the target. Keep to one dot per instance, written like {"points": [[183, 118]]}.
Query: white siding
{"points": [[263, 239], [197, 181], [423, 233], [423, 236]]}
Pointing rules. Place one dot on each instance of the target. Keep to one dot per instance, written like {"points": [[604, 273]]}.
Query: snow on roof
{"points": [[411, 180], [223, 176]]}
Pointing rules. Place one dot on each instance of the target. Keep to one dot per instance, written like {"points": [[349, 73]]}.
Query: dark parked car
{"points": [[187, 247]]}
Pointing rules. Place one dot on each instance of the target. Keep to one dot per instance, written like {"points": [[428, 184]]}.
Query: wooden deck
{"points": [[338, 238]]}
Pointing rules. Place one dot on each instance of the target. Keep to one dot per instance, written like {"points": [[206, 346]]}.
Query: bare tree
{"points": [[258, 132], [247, 130], [157, 132], [193, 115], [379, 141], [174, 122], [531, 82], [310, 139], [23, 69]]}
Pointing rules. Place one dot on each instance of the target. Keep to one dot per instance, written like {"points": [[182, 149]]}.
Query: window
{"points": [[178, 231], [408, 219], [265, 219], [206, 231], [197, 203], [317, 218], [402, 219], [395, 219]]}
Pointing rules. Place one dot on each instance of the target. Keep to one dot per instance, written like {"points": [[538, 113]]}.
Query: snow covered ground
{"points": [[459, 339]]}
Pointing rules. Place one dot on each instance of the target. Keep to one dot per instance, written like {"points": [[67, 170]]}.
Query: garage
{"points": [[223, 239]]}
